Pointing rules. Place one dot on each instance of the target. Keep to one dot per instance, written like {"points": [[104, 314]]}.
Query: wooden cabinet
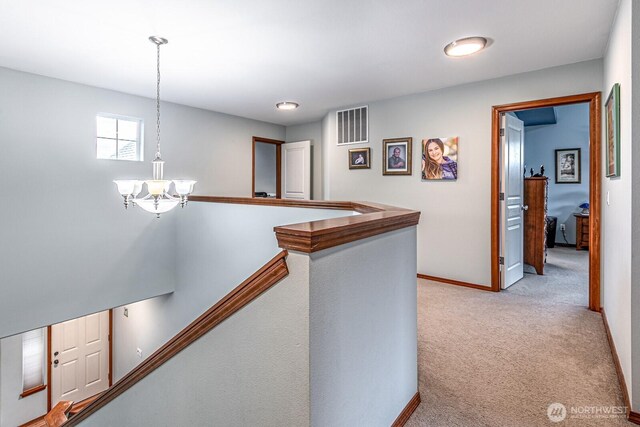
{"points": [[582, 231], [535, 222]]}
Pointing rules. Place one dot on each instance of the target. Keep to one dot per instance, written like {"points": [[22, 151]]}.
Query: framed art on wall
{"points": [[440, 158], [612, 111], [396, 156], [359, 158], [568, 166]]}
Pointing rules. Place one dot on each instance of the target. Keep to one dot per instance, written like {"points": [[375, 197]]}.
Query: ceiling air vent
{"points": [[352, 126]]}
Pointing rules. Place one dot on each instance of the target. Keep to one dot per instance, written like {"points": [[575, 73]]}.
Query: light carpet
{"points": [[500, 359]]}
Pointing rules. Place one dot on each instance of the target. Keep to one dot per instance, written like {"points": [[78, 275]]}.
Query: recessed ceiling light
{"points": [[287, 105], [466, 46]]}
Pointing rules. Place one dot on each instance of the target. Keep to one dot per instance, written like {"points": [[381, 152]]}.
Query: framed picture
{"points": [[396, 156], [359, 158], [568, 166], [612, 110], [440, 158]]}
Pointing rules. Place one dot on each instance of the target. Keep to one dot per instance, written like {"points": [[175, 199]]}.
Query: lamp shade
{"points": [[126, 186], [156, 187], [184, 187]]}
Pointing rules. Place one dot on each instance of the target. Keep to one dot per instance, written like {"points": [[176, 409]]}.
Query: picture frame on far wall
{"points": [[396, 156], [568, 166], [612, 112], [360, 158]]}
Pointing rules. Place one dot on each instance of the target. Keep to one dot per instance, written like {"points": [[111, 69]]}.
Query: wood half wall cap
{"points": [[314, 236]]}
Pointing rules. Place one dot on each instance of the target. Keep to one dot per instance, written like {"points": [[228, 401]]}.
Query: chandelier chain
{"points": [[158, 104]]}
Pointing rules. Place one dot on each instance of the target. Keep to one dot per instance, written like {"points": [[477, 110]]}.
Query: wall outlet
{"points": [[139, 352], [563, 227], [126, 312]]}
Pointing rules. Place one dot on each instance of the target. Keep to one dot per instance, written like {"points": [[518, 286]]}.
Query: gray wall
{"points": [[540, 143], [13, 410], [635, 213], [210, 239], [310, 132], [251, 370], [455, 225], [363, 340], [265, 167], [68, 230], [616, 213]]}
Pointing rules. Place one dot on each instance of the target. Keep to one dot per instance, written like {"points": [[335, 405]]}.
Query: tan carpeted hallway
{"points": [[500, 359]]}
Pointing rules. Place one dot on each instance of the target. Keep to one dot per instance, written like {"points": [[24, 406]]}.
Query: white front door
{"points": [[80, 358], [511, 208], [296, 170]]}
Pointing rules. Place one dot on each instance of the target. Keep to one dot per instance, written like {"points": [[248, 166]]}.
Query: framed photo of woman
{"points": [[440, 158], [396, 155]]}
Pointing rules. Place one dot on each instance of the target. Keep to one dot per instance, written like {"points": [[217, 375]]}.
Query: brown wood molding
{"points": [[33, 390], [618, 366], [595, 168], [314, 236], [455, 282], [407, 411], [634, 417], [278, 145], [263, 279]]}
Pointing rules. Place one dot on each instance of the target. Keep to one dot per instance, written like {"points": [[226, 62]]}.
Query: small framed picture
{"points": [[359, 158], [440, 158], [568, 166], [612, 112], [396, 156]]}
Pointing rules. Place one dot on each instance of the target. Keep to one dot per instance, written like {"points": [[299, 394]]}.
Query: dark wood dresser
{"points": [[535, 222], [582, 231]]}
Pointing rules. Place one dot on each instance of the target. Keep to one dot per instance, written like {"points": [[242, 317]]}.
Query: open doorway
{"points": [[267, 166], [521, 224]]}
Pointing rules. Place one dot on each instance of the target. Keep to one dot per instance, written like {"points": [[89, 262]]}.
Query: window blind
{"points": [[32, 359]]}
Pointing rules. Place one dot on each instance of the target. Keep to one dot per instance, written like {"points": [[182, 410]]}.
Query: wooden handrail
{"points": [[317, 235], [58, 415], [263, 279]]}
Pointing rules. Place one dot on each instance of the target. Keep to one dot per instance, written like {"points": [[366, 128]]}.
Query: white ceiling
{"points": [[241, 57]]}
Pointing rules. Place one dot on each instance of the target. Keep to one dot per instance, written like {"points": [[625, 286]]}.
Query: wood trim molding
{"points": [[58, 415], [263, 279], [455, 282], [407, 411], [595, 167], [278, 145], [634, 417], [318, 235], [33, 390]]}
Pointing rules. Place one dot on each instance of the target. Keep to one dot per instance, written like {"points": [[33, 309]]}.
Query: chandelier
{"points": [[158, 200]]}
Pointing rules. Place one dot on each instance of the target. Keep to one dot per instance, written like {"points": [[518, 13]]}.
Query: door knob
{"points": [[55, 362], [56, 353], [525, 207]]}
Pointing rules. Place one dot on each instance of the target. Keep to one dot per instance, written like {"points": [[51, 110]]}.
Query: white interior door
{"points": [[80, 358], [296, 170], [512, 186]]}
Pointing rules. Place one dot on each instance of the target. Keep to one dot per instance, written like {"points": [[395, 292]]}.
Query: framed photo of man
{"points": [[568, 166], [396, 155]]}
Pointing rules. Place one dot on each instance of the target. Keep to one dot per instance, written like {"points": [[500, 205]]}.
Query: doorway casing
{"points": [[278, 144], [595, 164]]}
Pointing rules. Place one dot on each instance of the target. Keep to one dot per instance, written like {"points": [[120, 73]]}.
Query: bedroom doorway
{"points": [[508, 223]]}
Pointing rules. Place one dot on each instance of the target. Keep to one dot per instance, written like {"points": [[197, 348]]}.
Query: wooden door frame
{"points": [[278, 145], [595, 163], [110, 373]]}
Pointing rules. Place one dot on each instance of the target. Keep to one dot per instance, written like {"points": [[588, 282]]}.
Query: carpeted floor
{"points": [[500, 359]]}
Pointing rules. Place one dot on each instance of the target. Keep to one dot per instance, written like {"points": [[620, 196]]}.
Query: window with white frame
{"points": [[119, 137], [33, 354]]}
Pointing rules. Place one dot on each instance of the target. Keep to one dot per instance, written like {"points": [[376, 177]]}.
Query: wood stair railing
{"points": [[58, 415], [263, 279]]}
